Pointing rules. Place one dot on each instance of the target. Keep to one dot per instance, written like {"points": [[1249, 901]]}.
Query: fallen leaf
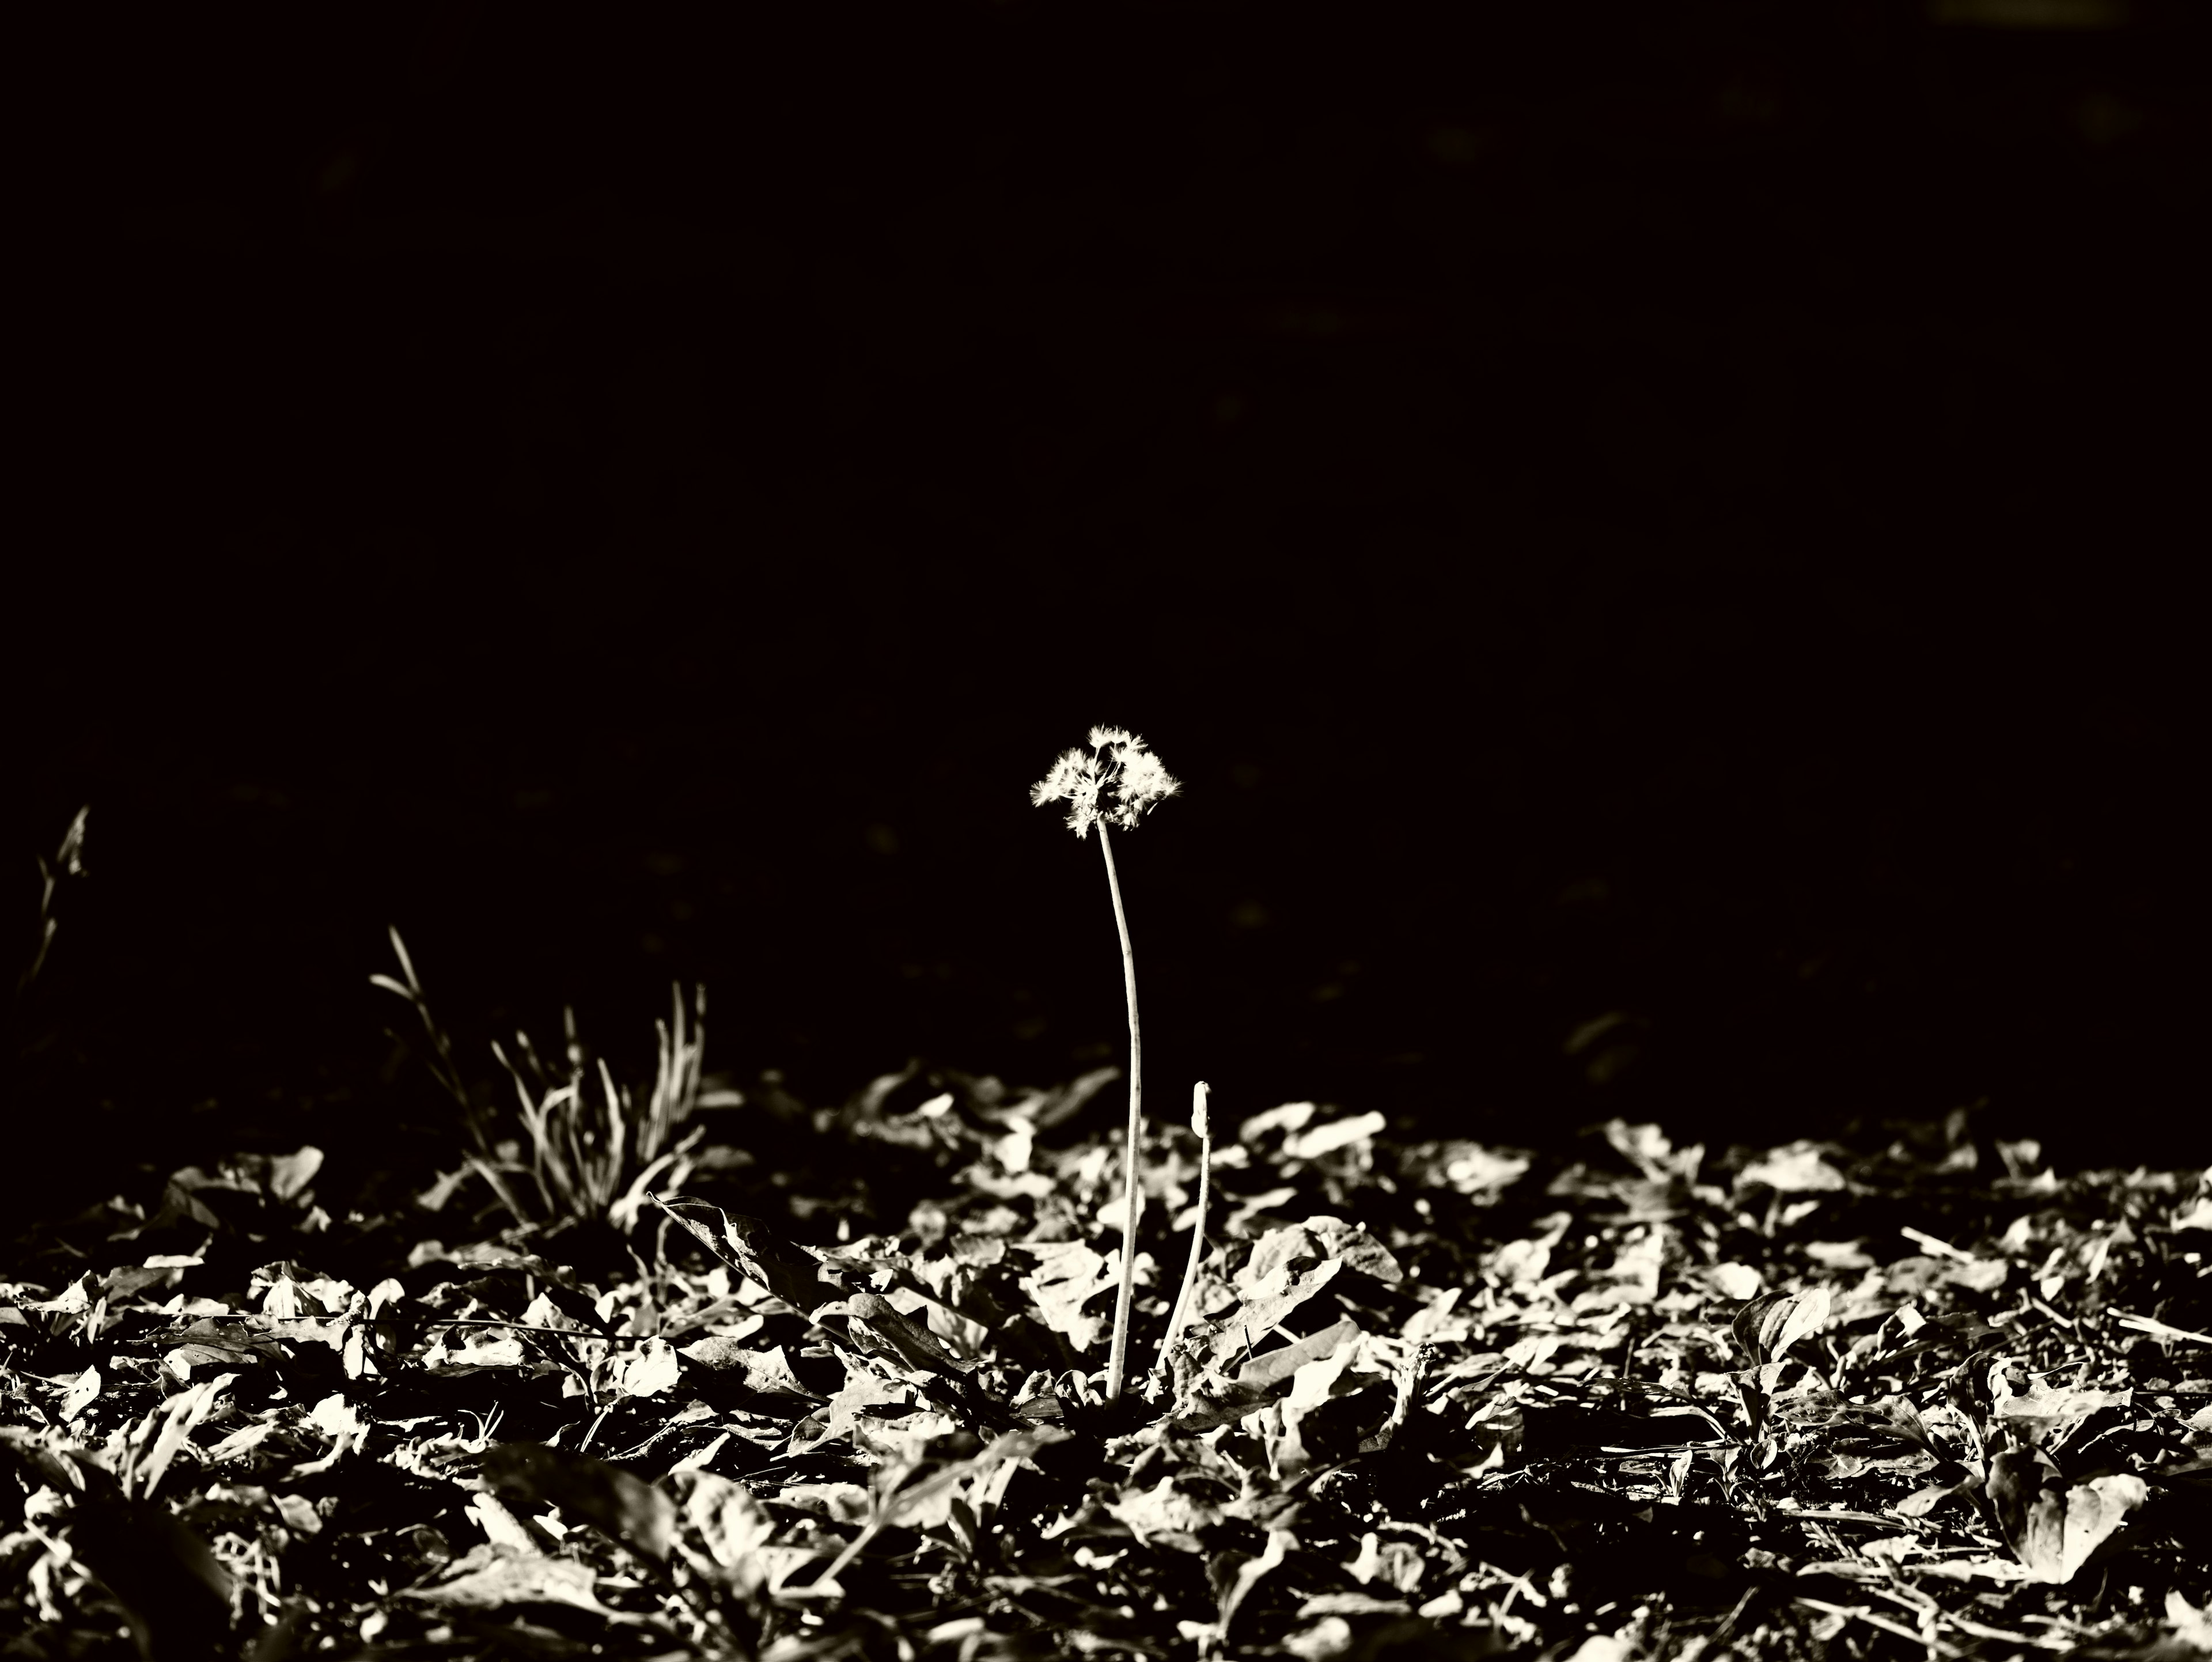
{"points": [[1337, 1134], [878, 1324], [1736, 1281], [767, 1371], [490, 1578], [586, 1489], [1163, 1509], [1069, 1275], [2052, 1526], [731, 1525], [648, 1369], [1800, 1168]]}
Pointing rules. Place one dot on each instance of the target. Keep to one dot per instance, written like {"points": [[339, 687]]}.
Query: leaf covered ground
{"points": [[840, 1395]]}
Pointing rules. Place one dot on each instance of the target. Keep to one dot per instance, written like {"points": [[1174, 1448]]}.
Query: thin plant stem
{"points": [[1198, 1116], [1117, 1368], [1123, 766]]}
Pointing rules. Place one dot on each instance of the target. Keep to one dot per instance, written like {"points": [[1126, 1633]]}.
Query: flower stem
{"points": [[1181, 1313], [1118, 1367]]}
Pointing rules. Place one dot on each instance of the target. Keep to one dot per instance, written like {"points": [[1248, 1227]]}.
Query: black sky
{"points": [[1672, 514]]}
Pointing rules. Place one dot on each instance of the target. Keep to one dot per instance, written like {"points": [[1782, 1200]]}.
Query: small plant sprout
{"points": [[1200, 1094], [69, 862], [1113, 785]]}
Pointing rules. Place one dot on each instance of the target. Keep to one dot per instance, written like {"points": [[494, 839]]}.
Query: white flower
{"points": [[1134, 777]]}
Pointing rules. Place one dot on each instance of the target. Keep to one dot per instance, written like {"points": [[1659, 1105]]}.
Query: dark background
{"points": [[1669, 511]]}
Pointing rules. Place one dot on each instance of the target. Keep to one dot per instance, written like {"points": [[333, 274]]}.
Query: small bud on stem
{"points": [[1198, 1095]]}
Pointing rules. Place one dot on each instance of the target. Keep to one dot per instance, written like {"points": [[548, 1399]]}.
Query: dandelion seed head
{"points": [[1120, 764]]}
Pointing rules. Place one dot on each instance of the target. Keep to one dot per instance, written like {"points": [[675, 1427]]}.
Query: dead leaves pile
{"points": [[1438, 1399]]}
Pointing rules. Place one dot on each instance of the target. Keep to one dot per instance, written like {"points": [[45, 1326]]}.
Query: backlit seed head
{"points": [[1113, 785]]}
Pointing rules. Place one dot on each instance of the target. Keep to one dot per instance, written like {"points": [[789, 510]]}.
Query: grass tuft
{"points": [[596, 1149]]}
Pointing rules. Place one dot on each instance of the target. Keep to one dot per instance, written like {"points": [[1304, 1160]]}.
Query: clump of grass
{"points": [[1115, 785], [596, 1150]]}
